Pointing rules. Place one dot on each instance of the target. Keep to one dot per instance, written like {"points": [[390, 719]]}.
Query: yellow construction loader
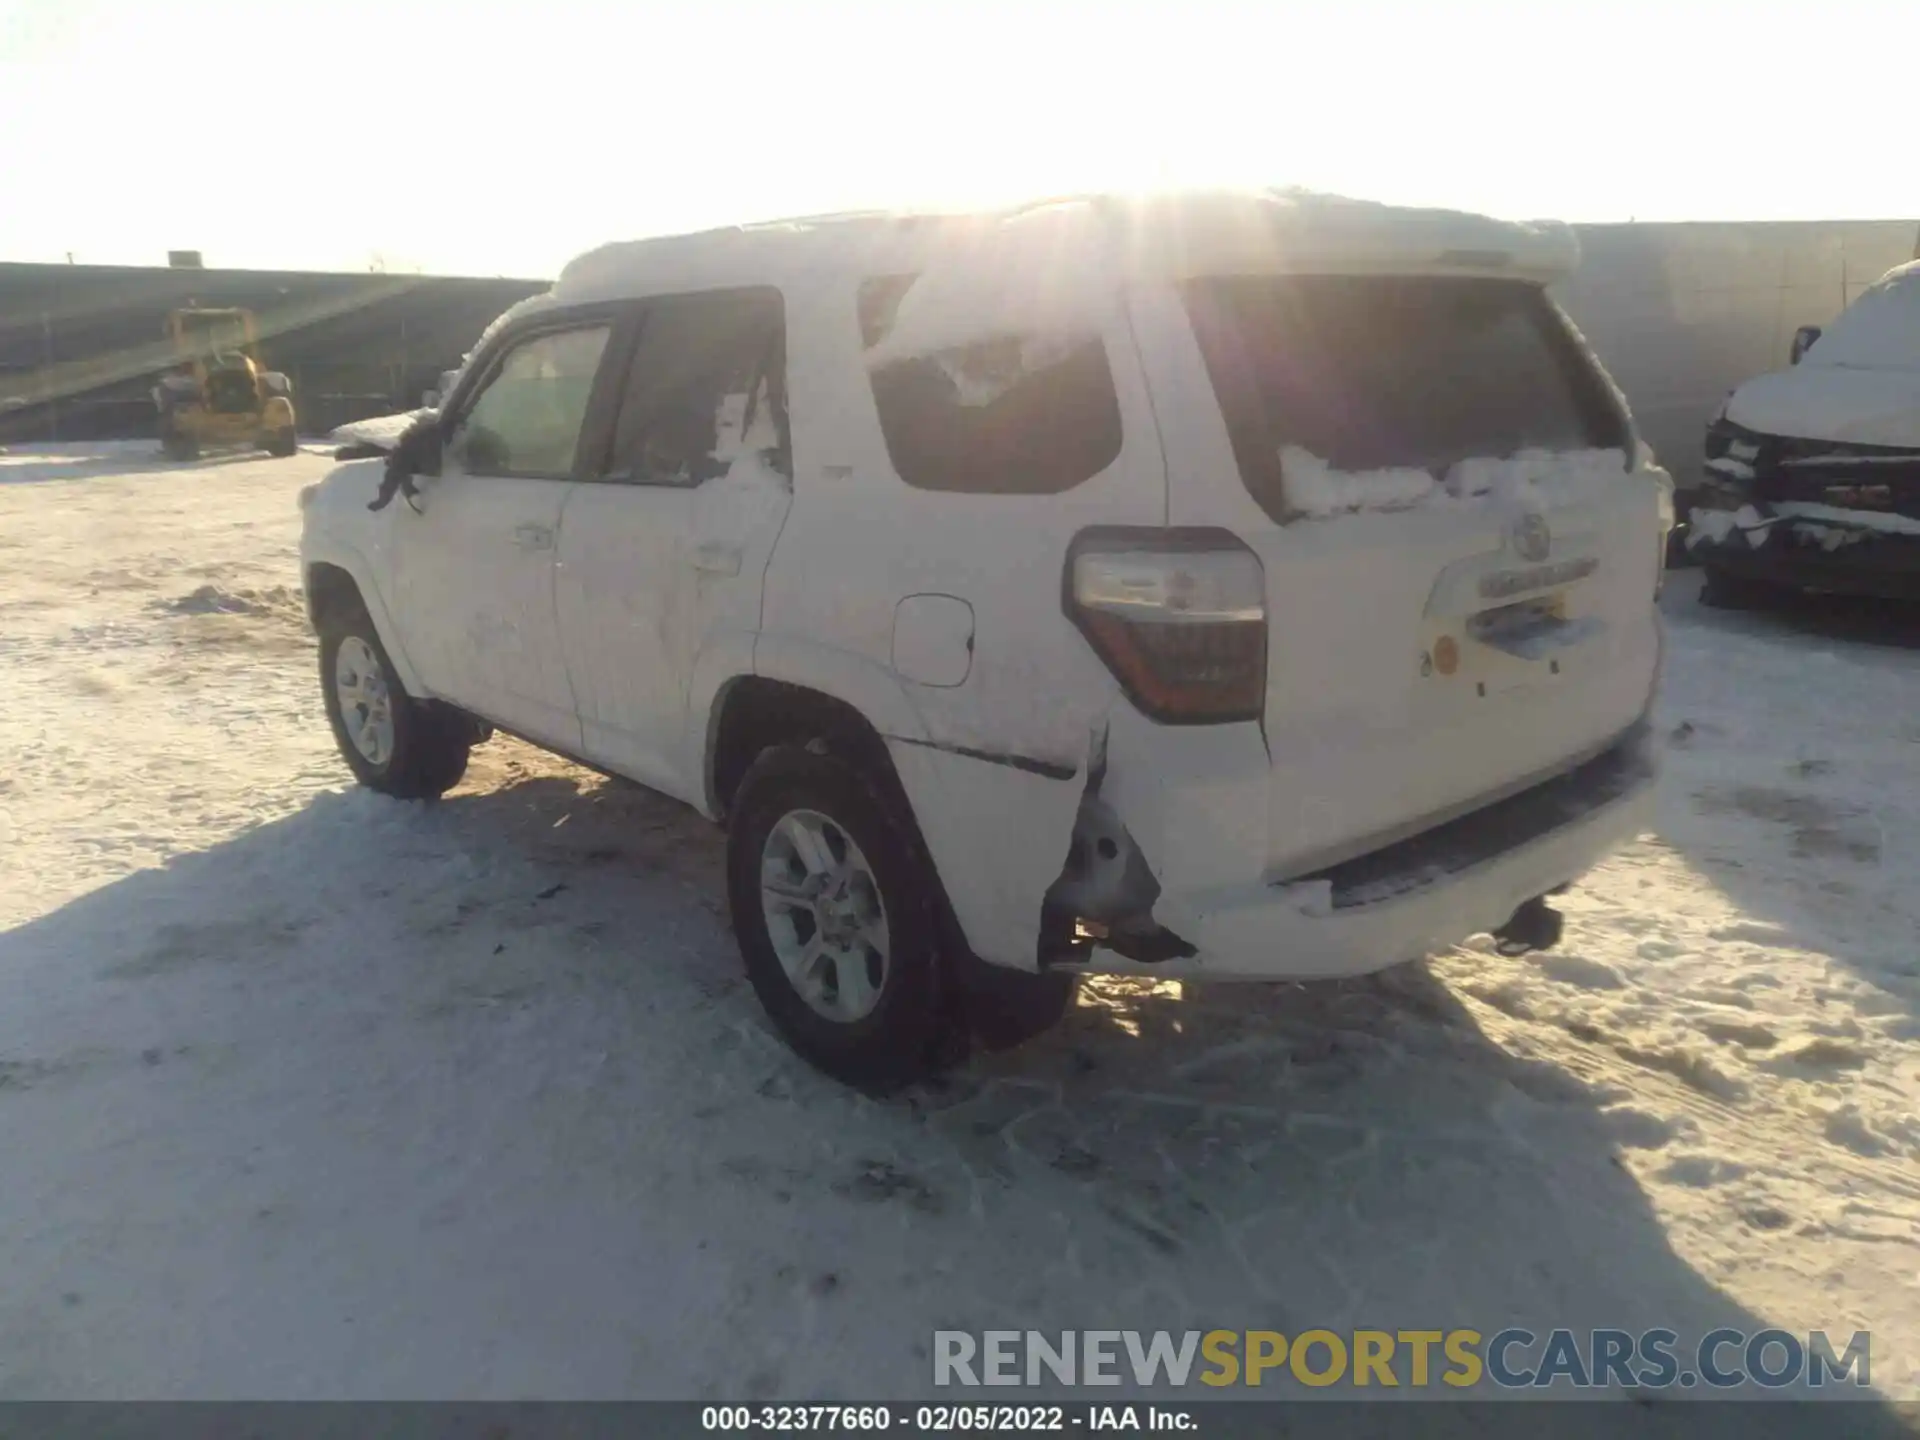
{"points": [[217, 394]]}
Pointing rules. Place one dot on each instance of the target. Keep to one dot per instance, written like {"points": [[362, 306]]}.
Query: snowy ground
{"points": [[308, 1093]]}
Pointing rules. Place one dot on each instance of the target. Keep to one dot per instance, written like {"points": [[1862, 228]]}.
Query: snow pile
{"points": [[733, 506], [1534, 475], [1712, 527], [1884, 521], [1313, 489], [982, 374], [1831, 537], [1832, 526], [1833, 403]]}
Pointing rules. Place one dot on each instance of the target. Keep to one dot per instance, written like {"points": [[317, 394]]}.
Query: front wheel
{"points": [[282, 442], [391, 742], [833, 905], [178, 445]]}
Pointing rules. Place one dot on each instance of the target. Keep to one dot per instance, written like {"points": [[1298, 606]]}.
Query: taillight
{"points": [[1178, 616]]}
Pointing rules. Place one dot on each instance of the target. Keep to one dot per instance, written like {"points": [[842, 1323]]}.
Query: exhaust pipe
{"points": [[1536, 925]]}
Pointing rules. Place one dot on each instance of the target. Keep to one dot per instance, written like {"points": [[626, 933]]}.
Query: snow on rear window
{"points": [[1393, 374], [1314, 490]]}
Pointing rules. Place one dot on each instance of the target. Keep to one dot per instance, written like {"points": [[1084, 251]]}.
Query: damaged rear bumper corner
{"points": [[1464, 878]]}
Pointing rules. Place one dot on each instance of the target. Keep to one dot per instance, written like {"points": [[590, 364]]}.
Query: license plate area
{"points": [[1507, 647]]}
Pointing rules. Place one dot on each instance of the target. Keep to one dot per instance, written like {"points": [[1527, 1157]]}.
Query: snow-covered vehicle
{"points": [[1812, 477], [1240, 586]]}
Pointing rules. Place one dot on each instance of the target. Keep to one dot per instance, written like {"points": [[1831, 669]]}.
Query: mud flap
{"points": [[999, 828]]}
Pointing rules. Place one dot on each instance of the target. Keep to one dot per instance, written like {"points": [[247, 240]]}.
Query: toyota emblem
{"points": [[1532, 538]]}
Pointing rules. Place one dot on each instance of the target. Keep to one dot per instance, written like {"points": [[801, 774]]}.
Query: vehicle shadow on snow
{"points": [[1173, 1157], [1843, 887]]}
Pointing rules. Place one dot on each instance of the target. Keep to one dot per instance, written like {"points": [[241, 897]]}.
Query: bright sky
{"points": [[501, 136]]}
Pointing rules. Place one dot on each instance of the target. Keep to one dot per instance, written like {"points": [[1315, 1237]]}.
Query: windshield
{"points": [[1879, 331], [1376, 372], [206, 334]]}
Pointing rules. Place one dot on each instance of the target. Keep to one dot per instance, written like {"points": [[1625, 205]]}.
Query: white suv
{"points": [[1239, 586]]}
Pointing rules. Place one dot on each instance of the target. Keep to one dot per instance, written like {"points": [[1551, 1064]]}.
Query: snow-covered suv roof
{"points": [[1181, 233]]}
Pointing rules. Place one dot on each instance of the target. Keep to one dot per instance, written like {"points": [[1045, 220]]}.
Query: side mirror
{"points": [[1803, 340], [418, 452]]}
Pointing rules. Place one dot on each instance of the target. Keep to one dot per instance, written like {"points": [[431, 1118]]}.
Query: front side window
{"points": [[526, 420], [707, 387], [1031, 414]]}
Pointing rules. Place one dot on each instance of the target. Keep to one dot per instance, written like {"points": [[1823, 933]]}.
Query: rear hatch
{"points": [[1459, 560]]}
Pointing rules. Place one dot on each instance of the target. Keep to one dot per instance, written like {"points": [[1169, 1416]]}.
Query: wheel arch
{"points": [[994, 836], [334, 577]]}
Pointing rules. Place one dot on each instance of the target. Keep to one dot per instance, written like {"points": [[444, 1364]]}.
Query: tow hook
{"points": [[1536, 925]]}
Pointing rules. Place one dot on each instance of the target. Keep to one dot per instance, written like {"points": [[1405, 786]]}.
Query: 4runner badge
{"points": [[1531, 537]]}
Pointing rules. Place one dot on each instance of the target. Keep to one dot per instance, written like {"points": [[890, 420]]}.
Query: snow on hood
{"points": [[381, 430], [1830, 402], [1314, 490]]}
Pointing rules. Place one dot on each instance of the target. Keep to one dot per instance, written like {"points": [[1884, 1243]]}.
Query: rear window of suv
{"points": [[1376, 372], [1018, 415]]}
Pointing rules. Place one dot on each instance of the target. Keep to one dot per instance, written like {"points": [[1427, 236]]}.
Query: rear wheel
{"points": [[1725, 591], [833, 905], [176, 444], [393, 743]]}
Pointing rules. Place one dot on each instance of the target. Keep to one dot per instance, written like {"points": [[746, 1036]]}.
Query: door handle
{"points": [[717, 559], [533, 537]]}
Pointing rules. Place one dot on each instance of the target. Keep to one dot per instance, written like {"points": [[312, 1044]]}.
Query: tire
{"points": [[901, 1034], [178, 445], [426, 747], [282, 443], [1723, 591]]}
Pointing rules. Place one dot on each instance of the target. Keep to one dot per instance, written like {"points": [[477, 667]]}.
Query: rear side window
{"points": [[707, 384], [1378, 372], [526, 419], [1019, 415]]}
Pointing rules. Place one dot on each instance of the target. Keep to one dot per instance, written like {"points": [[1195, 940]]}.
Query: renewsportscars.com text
{"points": [[1509, 1359]]}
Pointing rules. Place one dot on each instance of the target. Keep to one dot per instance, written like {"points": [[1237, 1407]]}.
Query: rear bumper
{"points": [[1882, 566], [1432, 890]]}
